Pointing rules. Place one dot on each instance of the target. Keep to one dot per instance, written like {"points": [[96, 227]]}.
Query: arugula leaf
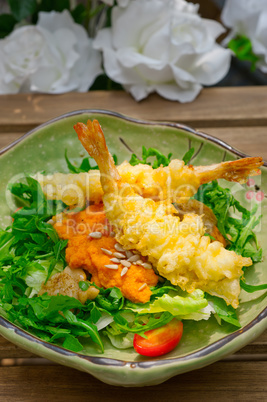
{"points": [[187, 157], [150, 152], [51, 318], [89, 327], [70, 342], [139, 327], [85, 165], [224, 312], [237, 231], [252, 288], [6, 241], [110, 299]]}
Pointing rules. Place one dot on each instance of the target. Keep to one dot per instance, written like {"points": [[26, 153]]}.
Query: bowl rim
{"points": [[184, 127], [98, 360]]}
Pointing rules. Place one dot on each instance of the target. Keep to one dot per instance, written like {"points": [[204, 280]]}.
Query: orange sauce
{"points": [[85, 252]]}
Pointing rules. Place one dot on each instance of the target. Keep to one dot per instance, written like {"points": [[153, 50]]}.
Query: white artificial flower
{"points": [[55, 56], [162, 46], [248, 18]]}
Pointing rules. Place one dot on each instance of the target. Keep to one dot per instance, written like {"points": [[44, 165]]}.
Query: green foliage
{"points": [[242, 47], [85, 165], [7, 23], [110, 299], [252, 288], [224, 312], [239, 230], [188, 156], [29, 10], [22, 9], [151, 152], [142, 323], [83, 285], [54, 5], [79, 13]]}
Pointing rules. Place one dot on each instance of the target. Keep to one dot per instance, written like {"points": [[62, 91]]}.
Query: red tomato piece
{"points": [[160, 340]]}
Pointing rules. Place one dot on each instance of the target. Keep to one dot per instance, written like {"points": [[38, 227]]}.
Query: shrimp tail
{"points": [[237, 171], [93, 140]]}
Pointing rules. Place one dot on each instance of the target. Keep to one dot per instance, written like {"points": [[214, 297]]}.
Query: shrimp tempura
{"points": [[176, 182], [177, 248]]}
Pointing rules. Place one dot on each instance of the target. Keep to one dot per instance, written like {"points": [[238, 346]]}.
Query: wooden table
{"points": [[235, 115]]}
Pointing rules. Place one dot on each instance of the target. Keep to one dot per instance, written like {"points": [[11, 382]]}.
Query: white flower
{"points": [[55, 56], [248, 18], [162, 46]]}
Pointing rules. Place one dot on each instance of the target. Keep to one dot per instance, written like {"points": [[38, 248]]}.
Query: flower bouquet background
{"points": [[141, 46]]}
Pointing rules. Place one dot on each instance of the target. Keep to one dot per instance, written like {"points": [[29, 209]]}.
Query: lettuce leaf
{"points": [[192, 306], [36, 274]]}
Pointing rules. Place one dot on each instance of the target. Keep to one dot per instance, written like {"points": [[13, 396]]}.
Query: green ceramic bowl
{"points": [[203, 342]]}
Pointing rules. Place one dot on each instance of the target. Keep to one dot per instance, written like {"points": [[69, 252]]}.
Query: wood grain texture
{"points": [[224, 107], [216, 382], [250, 140], [8, 138]]}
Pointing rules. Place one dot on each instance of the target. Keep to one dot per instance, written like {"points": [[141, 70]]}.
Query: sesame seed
{"points": [[105, 227], [128, 253], [119, 255], [134, 258], [51, 221], [146, 265], [95, 235], [124, 271], [112, 234], [125, 263], [118, 247], [108, 252], [115, 260], [112, 266], [139, 262], [142, 287]]}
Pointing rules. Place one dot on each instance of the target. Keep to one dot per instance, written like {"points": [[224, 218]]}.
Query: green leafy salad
{"points": [[31, 252]]}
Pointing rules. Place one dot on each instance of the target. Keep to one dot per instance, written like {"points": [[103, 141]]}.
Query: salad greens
{"points": [[238, 231], [150, 152], [85, 165], [31, 251]]}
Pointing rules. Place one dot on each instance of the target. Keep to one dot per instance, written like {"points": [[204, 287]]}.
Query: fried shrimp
{"points": [[176, 182], [176, 247]]}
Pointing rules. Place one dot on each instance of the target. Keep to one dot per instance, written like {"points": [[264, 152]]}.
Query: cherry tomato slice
{"points": [[160, 340]]}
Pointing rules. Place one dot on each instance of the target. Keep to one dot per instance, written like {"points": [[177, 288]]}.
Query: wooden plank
{"points": [[8, 138], [220, 382], [225, 107], [9, 350], [250, 140]]}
